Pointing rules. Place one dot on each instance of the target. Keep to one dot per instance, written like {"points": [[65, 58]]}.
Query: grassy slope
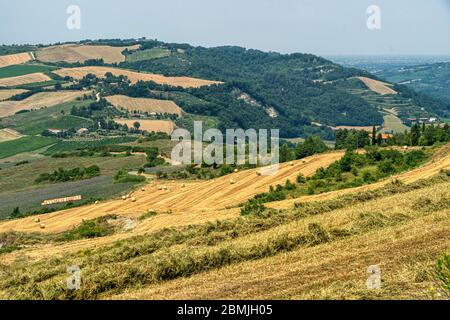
{"points": [[23, 69], [57, 117], [25, 144], [148, 54], [318, 250]]}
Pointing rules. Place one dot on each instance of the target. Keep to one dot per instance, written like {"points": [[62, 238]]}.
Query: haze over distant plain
{"points": [[324, 27]]}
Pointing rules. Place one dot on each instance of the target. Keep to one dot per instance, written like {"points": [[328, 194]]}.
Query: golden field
{"points": [[13, 59], [133, 76], [80, 53], [145, 105], [197, 246], [379, 87], [166, 126], [38, 101], [25, 79]]}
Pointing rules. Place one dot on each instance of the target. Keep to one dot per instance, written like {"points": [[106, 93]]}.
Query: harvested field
{"points": [[379, 87], [38, 101], [198, 201], [185, 82], [8, 93], [26, 79], [9, 134], [13, 59], [80, 53], [145, 105], [166, 126]]}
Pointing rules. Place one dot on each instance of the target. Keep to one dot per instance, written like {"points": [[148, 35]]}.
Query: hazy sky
{"points": [[326, 27]]}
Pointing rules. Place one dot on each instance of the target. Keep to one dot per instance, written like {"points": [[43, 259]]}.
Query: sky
{"points": [[323, 27]]}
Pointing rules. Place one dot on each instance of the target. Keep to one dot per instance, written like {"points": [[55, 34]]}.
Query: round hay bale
{"points": [[142, 189], [96, 202], [232, 181], [165, 187], [291, 164], [124, 198], [183, 185], [159, 188], [37, 220], [236, 170], [42, 226], [133, 199], [151, 211]]}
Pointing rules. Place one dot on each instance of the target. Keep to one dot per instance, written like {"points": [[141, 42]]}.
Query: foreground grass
{"points": [[157, 258]]}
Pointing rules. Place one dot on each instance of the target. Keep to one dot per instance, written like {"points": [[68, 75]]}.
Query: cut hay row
{"points": [[25, 79], [185, 82], [8, 93], [13, 59], [166, 126], [379, 87], [145, 105], [195, 202], [80, 53], [9, 134], [38, 101]]}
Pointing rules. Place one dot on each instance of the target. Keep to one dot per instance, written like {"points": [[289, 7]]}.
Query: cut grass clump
{"points": [[89, 229]]}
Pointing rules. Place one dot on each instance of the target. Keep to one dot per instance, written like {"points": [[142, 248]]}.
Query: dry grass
{"points": [[185, 82], [145, 105], [166, 126], [379, 87], [25, 79], [198, 201], [8, 93], [322, 256], [38, 101], [13, 59], [80, 53], [9, 134]]}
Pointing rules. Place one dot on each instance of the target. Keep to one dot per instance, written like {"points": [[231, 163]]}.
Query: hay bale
{"points": [[151, 211], [42, 226], [291, 164], [236, 170], [232, 181], [258, 173], [183, 185], [159, 188], [133, 199], [124, 198], [37, 220], [96, 202], [142, 189], [165, 187]]}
